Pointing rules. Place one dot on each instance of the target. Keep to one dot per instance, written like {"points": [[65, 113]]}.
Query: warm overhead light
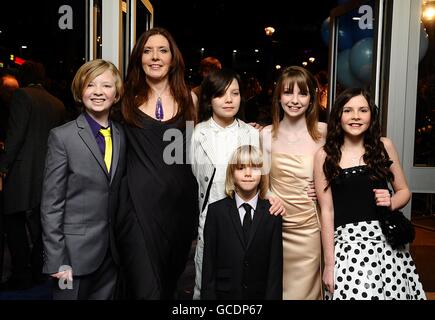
{"points": [[277, 67], [269, 31], [311, 59], [428, 11], [304, 63]]}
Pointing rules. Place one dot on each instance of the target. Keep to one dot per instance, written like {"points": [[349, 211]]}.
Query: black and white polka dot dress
{"points": [[366, 267]]}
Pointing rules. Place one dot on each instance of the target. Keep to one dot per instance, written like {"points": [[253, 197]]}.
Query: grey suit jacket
{"points": [[79, 198], [34, 112]]}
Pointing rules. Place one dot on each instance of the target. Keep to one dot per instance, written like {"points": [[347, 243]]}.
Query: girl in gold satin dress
{"points": [[289, 145]]}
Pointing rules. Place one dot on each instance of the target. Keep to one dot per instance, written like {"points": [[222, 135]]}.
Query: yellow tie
{"points": [[108, 151]]}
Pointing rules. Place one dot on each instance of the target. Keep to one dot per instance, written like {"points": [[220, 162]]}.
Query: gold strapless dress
{"points": [[289, 179]]}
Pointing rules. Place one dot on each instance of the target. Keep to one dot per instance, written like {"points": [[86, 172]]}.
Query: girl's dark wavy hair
{"points": [[375, 156]]}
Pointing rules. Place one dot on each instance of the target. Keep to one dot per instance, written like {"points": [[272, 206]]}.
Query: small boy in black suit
{"points": [[242, 241]]}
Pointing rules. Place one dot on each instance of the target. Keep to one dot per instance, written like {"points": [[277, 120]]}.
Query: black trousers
{"points": [[24, 238], [99, 285]]}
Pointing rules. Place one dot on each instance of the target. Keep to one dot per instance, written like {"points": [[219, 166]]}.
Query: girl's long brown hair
{"points": [[308, 85], [375, 156], [137, 90]]}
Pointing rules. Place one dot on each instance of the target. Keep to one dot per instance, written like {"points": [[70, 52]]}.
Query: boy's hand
{"points": [[276, 206], [67, 274]]}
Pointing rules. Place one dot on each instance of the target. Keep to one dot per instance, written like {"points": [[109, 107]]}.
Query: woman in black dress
{"points": [[351, 173], [158, 214]]}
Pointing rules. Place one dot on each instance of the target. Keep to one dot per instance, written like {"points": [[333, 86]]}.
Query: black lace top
{"points": [[353, 196]]}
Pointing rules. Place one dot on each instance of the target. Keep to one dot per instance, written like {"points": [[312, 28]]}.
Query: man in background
{"points": [[207, 65], [8, 84], [33, 113]]}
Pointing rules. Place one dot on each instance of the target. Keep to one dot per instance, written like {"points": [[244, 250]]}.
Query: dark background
{"points": [[218, 26], [223, 26]]}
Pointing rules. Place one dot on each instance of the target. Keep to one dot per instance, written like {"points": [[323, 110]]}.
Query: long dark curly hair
{"points": [[375, 156]]}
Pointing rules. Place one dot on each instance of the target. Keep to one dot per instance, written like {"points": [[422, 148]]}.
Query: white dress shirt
{"points": [[225, 142]]}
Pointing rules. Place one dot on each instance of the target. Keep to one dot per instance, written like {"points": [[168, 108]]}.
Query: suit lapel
{"points": [[235, 218], [207, 141], [116, 146], [258, 217], [85, 133]]}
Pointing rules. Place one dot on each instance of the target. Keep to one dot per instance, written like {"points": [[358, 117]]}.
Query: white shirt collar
{"points": [[214, 125], [240, 201]]}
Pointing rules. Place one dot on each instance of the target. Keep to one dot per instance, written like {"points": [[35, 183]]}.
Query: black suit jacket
{"points": [[33, 113], [233, 270]]}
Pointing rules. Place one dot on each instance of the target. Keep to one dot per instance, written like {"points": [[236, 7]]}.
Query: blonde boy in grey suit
{"points": [[83, 171]]}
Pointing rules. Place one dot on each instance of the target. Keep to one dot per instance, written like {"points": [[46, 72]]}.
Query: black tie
{"points": [[247, 221]]}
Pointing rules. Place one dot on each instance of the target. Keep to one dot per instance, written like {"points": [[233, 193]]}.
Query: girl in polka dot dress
{"points": [[351, 173]]}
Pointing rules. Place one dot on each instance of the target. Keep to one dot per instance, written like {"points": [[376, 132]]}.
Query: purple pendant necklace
{"points": [[159, 106], [159, 109]]}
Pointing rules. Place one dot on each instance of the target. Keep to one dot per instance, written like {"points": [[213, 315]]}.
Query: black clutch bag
{"points": [[398, 230]]}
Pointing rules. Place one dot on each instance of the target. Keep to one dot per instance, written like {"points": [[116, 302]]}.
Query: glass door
{"points": [[355, 47], [137, 17], [114, 27], [420, 147]]}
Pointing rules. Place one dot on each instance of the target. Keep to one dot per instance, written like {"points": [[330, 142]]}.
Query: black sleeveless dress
{"points": [[366, 267], [158, 214]]}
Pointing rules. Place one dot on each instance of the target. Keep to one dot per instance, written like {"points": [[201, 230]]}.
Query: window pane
{"points": [[424, 148], [50, 32]]}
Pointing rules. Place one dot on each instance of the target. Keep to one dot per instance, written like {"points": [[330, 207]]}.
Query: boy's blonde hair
{"points": [[88, 72], [245, 156]]}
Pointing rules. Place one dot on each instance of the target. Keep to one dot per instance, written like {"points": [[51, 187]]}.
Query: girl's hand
{"points": [[257, 126], [311, 191], [328, 278], [277, 207], [382, 197]]}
